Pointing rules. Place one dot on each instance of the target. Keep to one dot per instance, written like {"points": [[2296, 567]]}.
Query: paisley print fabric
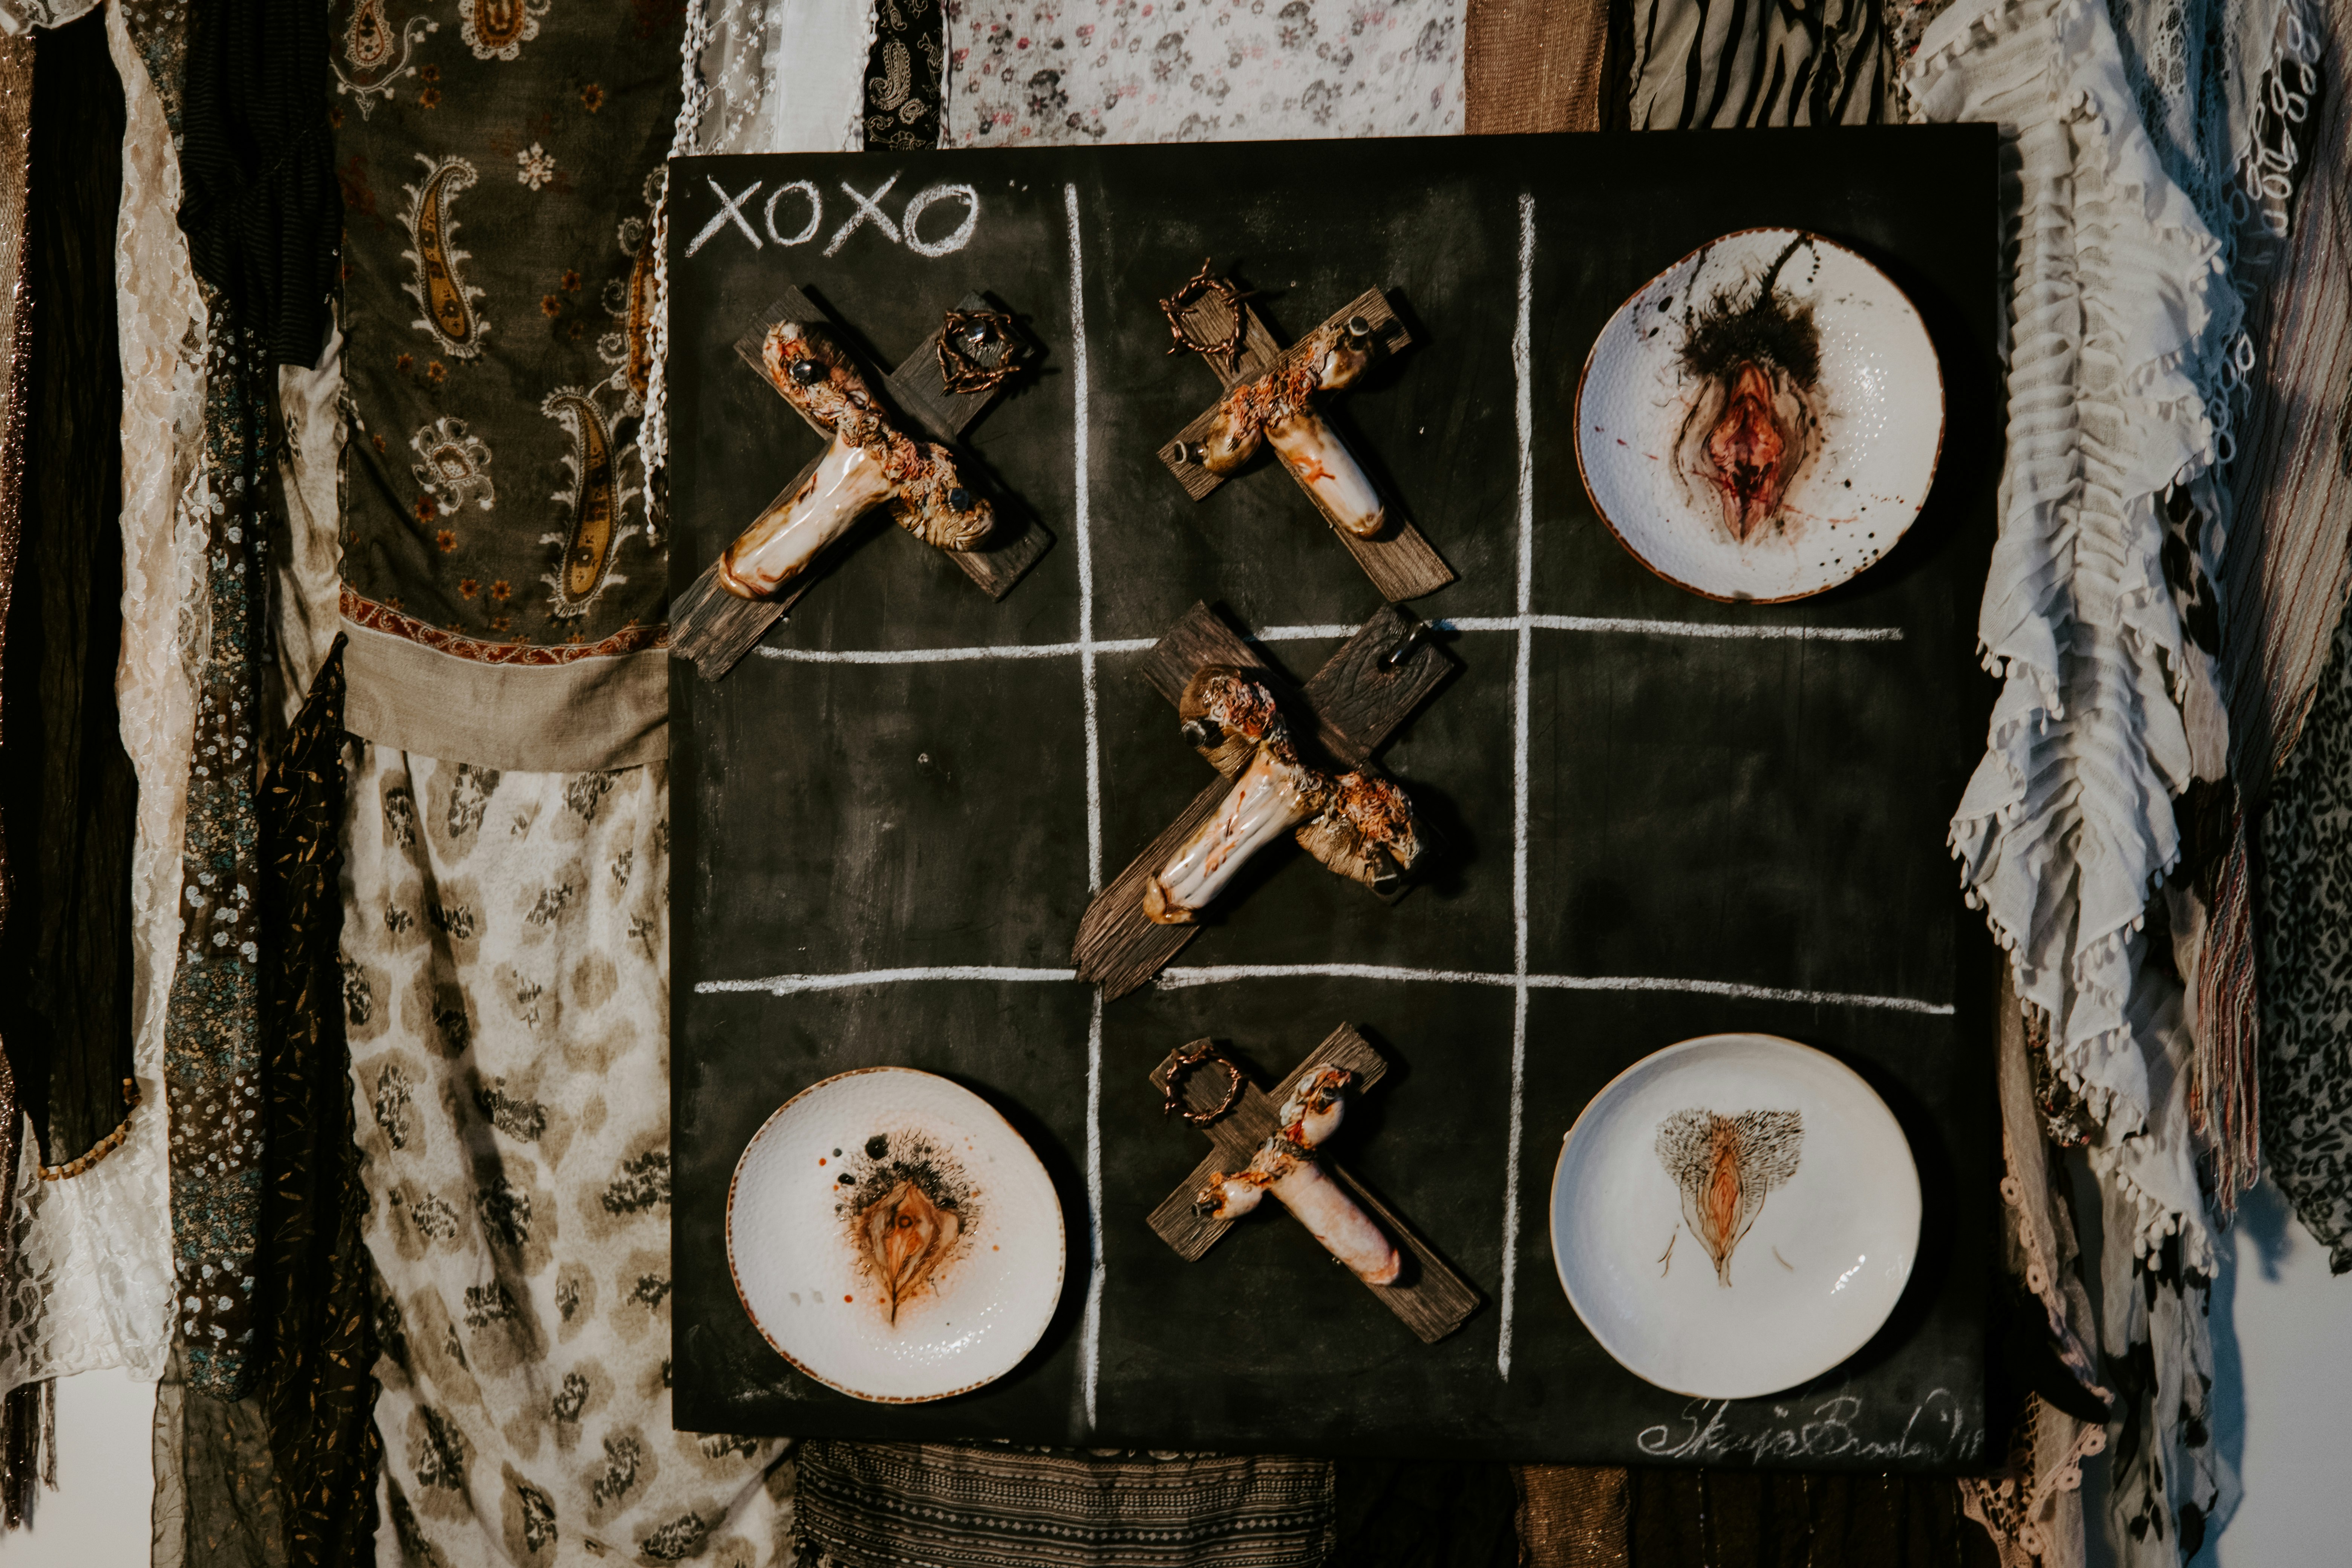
{"points": [[902, 79], [500, 177], [505, 988]]}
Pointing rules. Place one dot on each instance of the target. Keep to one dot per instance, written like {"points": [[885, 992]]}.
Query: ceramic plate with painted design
{"points": [[1734, 1214], [894, 1238], [1762, 420]]}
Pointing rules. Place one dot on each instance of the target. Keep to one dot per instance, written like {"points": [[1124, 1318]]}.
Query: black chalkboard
{"points": [[1752, 826]]}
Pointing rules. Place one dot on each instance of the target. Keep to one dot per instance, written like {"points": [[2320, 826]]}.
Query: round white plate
{"points": [[1824, 1257], [1877, 398], [980, 1258]]}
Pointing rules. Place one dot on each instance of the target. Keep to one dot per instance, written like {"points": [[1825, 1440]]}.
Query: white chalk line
{"points": [[1589, 624], [1178, 977], [1080, 466], [796, 984], [1090, 1334], [1523, 629]]}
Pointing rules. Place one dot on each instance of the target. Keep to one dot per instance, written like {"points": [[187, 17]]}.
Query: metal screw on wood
{"points": [[1410, 645]]}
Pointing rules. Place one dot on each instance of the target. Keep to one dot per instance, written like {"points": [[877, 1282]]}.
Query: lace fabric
{"points": [[738, 98]]}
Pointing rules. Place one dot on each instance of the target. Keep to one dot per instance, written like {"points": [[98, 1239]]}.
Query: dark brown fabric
{"points": [[68, 795], [1750, 1519], [29, 1449], [260, 206], [1533, 64], [1573, 1516], [1425, 1514]]}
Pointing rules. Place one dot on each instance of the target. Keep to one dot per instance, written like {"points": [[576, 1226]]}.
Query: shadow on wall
{"points": [[2259, 1240]]}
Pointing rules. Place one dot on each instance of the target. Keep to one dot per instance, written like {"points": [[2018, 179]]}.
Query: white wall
{"points": [[2282, 1386], [97, 1517]]}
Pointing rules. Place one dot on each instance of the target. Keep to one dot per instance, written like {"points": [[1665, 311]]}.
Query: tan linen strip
{"points": [[1533, 64], [529, 717]]}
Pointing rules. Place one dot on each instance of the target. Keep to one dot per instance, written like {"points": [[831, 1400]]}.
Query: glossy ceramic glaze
{"points": [[1879, 397], [1818, 1266], [807, 1271]]}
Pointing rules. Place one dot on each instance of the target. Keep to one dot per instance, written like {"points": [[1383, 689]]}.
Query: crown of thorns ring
{"points": [[964, 335], [1200, 286], [1192, 1057]]}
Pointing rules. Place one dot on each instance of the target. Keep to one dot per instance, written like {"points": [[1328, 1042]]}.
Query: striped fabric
{"points": [[885, 1505], [2290, 558], [1721, 63]]}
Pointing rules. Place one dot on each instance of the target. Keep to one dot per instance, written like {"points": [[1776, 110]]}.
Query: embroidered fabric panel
{"points": [[506, 970], [499, 178]]}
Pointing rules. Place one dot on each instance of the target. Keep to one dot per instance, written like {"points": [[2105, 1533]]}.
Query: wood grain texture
{"points": [[1402, 564], [1355, 702], [1429, 1296], [1118, 948], [716, 628]]}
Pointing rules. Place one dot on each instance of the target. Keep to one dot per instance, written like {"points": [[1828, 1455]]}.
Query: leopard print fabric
{"points": [[505, 976], [2306, 931]]}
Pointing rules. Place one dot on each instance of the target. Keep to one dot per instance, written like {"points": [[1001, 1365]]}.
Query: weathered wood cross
{"points": [[1359, 698], [1428, 1295], [1400, 562], [715, 627]]}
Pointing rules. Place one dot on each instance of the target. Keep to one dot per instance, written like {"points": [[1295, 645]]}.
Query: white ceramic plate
{"points": [[1877, 399], [1822, 1258], [965, 1218]]}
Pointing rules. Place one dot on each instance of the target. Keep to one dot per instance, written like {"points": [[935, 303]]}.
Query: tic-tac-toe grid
{"points": [[1663, 817]]}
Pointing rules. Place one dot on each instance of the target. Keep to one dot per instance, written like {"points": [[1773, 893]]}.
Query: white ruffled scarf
{"points": [[2124, 351]]}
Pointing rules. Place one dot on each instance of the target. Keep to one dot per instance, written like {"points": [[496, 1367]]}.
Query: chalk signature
{"points": [[1937, 1430]]}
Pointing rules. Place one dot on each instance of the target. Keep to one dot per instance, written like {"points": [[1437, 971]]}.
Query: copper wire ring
{"points": [[1200, 286], [961, 371], [1185, 1060]]}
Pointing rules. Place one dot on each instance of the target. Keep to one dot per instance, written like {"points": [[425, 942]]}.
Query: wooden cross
{"points": [[1356, 701], [1432, 1300], [715, 628], [1400, 562]]}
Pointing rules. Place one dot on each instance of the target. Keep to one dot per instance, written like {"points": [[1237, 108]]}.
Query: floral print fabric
{"points": [[506, 990], [1212, 71]]}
